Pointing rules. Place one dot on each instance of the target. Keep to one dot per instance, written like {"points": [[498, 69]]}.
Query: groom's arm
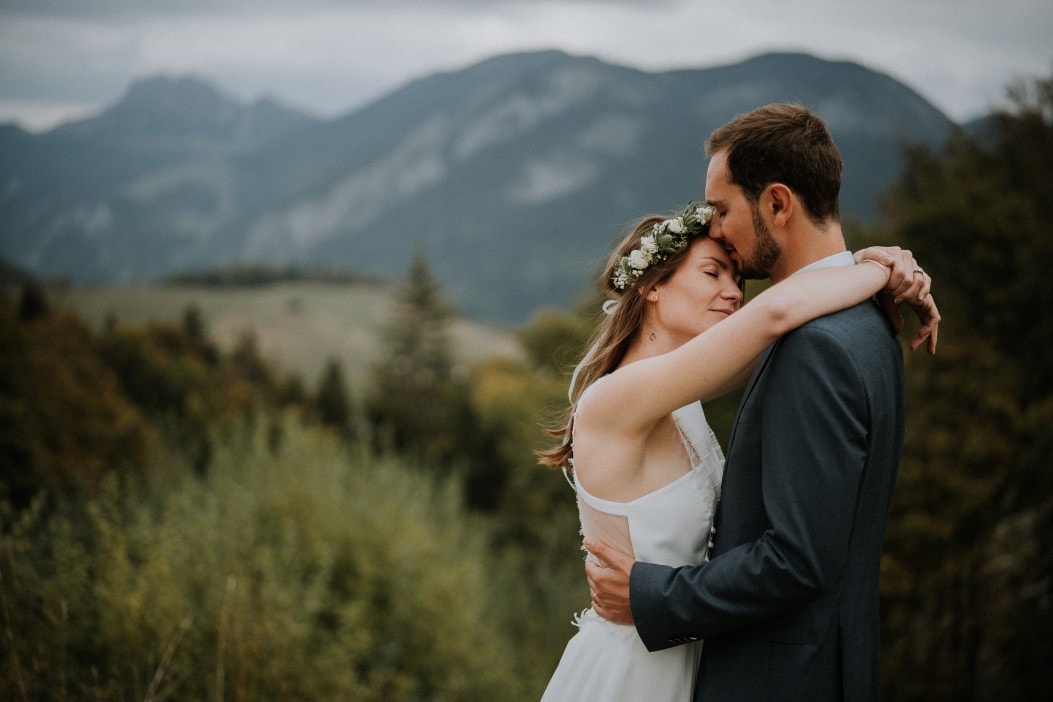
{"points": [[813, 454]]}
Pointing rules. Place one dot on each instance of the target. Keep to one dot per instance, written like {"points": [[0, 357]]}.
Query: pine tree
{"points": [[332, 404], [197, 331], [413, 385]]}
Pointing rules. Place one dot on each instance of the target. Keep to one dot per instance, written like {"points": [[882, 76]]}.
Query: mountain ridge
{"points": [[514, 175]]}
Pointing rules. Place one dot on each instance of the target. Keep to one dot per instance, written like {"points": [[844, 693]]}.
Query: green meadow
{"points": [[299, 325]]}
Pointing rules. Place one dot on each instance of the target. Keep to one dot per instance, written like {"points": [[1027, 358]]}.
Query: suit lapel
{"points": [[729, 453], [761, 364]]}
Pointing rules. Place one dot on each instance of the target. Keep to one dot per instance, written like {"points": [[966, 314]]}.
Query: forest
{"points": [[181, 522]]}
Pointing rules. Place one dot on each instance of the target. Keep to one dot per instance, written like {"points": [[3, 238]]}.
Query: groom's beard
{"points": [[766, 251]]}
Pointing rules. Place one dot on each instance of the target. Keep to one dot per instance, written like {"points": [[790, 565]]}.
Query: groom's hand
{"points": [[608, 570]]}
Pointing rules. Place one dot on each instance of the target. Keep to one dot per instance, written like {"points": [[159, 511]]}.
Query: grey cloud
{"points": [[177, 8]]}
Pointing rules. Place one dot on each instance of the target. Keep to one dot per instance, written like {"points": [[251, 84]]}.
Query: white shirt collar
{"points": [[841, 258]]}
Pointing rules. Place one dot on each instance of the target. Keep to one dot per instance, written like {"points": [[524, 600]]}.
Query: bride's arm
{"points": [[907, 285], [639, 394], [735, 383], [900, 290]]}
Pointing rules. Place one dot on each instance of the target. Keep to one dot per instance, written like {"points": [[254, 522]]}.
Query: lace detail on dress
{"points": [[692, 451], [706, 456], [701, 444]]}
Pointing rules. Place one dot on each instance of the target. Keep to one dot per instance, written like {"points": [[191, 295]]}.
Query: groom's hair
{"points": [[783, 143]]}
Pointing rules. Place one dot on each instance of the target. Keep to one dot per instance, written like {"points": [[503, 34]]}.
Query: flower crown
{"points": [[665, 239]]}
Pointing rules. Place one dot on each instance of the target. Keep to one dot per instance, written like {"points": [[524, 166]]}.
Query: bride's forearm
{"points": [[720, 358]]}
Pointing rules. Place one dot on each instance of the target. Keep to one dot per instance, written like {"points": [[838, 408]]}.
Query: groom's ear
{"points": [[781, 203]]}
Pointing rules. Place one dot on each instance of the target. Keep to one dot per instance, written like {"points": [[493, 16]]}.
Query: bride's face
{"points": [[703, 290]]}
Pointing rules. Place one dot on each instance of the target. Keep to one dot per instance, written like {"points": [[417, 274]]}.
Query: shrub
{"points": [[314, 573]]}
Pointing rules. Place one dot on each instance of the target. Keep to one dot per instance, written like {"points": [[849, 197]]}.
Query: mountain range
{"points": [[513, 176]]}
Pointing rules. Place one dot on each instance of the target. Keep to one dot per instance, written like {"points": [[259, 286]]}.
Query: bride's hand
{"points": [[907, 281], [929, 317], [908, 284]]}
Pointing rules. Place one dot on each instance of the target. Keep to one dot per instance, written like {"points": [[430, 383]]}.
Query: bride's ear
{"points": [[651, 294]]}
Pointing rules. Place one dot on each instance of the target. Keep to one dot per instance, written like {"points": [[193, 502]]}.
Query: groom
{"points": [[788, 605]]}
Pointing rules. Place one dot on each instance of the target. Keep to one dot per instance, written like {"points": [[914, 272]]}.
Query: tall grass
{"points": [[316, 572]]}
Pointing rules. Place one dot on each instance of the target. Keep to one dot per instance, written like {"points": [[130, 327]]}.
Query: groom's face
{"points": [[737, 224]]}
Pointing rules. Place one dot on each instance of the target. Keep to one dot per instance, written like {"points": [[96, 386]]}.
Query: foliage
{"points": [[173, 375], [534, 529], [122, 587], [554, 340], [419, 403], [332, 403], [336, 575], [967, 582], [413, 385], [250, 365], [64, 420], [33, 302], [194, 327]]}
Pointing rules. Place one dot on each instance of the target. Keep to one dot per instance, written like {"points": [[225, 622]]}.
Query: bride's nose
{"points": [[733, 292]]}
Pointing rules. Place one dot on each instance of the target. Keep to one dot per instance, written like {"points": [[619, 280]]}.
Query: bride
{"points": [[646, 467]]}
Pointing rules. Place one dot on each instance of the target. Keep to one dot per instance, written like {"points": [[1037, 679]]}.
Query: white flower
{"points": [[666, 238], [639, 260]]}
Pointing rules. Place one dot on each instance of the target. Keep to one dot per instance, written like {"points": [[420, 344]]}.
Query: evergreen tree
{"points": [[413, 384], [421, 406], [195, 329], [194, 324], [332, 405], [249, 362]]}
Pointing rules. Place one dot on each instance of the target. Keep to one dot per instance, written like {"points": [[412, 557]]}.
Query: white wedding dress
{"points": [[671, 526]]}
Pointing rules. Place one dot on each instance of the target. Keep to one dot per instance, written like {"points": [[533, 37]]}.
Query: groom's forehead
{"points": [[718, 178]]}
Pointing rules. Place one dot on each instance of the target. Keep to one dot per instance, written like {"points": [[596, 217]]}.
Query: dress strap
{"points": [[570, 482]]}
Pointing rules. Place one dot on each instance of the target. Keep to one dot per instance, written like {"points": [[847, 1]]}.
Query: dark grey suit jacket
{"points": [[788, 605]]}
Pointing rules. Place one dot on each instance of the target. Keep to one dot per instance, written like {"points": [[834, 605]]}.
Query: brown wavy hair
{"points": [[615, 333]]}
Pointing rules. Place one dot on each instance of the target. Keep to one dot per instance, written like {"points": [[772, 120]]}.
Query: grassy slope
{"points": [[298, 325]]}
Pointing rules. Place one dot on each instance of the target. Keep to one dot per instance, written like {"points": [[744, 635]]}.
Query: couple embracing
{"points": [[754, 578]]}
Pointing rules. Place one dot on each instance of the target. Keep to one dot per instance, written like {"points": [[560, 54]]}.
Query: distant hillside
{"points": [[514, 174], [298, 325]]}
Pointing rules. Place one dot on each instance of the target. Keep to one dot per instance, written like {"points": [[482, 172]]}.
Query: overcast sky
{"points": [[64, 59]]}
